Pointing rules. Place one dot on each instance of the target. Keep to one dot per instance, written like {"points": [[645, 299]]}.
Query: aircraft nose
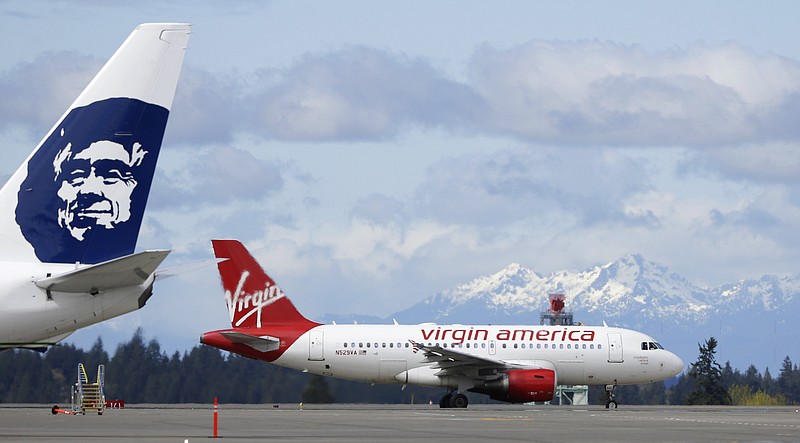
{"points": [[676, 364]]}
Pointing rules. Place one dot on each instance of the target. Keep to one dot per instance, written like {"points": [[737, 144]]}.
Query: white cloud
{"points": [[605, 93], [506, 186], [208, 108], [36, 93], [216, 176], [358, 93], [768, 162]]}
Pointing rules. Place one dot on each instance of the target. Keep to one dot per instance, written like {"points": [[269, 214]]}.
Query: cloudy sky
{"points": [[372, 154]]}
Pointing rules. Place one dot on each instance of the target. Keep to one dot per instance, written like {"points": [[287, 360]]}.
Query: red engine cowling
{"points": [[523, 385]]}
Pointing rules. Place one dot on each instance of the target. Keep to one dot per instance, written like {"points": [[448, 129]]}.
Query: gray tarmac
{"points": [[403, 423]]}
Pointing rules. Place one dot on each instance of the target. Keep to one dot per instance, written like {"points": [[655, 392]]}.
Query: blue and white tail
{"points": [[80, 196]]}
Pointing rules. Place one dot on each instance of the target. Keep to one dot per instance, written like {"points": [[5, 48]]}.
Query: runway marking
{"points": [[717, 422], [505, 419]]}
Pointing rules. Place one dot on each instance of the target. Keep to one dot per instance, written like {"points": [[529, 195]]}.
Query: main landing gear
{"points": [[453, 400], [610, 402]]}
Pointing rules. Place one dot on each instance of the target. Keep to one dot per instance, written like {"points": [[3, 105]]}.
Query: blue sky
{"points": [[373, 153]]}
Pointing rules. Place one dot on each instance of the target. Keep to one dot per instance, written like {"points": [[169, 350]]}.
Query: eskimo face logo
{"points": [[87, 185], [95, 185], [240, 301]]}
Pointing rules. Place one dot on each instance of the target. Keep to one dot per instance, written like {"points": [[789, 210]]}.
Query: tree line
{"points": [[140, 372]]}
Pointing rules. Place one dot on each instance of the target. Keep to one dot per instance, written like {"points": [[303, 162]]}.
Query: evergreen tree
{"points": [[679, 392], [729, 376], [752, 378], [653, 394], [317, 391], [707, 373], [789, 381], [768, 383]]}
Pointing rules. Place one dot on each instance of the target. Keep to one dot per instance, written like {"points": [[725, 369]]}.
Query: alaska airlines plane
{"points": [[515, 364], [70, 215]]}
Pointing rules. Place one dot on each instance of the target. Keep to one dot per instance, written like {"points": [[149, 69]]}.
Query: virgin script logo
{"points": [[241, 302]]}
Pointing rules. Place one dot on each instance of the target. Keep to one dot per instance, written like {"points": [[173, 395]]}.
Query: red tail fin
{"points": [[253, 298]]}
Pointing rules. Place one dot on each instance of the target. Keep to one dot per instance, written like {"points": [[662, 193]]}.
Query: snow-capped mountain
{"points": [[628, 286], [752, 319]]}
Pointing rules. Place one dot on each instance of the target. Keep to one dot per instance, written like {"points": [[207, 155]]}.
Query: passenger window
{"points": [[538, 346], [367, 344], [345, 345], [591, 346], [599, 346], [391, 345], [467, 345], [504, 345], [383, 345], [561, 346], [515, 346], [360, 344]]}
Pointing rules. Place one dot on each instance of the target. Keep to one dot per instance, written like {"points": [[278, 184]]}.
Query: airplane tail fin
{"points": [[253, 298], [80, 196]]}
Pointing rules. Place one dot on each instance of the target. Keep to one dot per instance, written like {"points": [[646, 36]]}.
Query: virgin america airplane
{"points": [[517, 363]]}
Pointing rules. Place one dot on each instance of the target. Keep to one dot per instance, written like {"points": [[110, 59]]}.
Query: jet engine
{"points": [[521, 386]]}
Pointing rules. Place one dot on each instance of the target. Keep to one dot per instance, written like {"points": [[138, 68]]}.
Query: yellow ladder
{"points": [[91, 397]]}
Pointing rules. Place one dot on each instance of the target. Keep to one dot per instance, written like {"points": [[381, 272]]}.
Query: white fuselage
{"points": [[385, 353], [32, 316]]}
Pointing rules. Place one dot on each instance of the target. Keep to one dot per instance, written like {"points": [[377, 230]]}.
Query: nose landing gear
{"points": [[610, 401]]}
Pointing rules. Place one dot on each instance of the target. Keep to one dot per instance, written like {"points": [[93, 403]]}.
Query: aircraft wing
{"points": [[452, 362], [130, 270], [262, 343]]}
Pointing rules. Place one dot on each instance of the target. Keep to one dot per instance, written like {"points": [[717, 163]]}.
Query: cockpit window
{"points": [[650, 345]]}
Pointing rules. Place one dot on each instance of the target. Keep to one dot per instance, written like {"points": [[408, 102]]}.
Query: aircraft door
{"points": [[615, 348], [316, 340]]}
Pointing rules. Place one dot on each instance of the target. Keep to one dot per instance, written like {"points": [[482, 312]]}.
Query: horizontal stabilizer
{"points": [[130, 270], [262, 343]]}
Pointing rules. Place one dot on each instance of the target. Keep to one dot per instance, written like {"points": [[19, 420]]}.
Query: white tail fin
{"points": [[81, 195]]}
